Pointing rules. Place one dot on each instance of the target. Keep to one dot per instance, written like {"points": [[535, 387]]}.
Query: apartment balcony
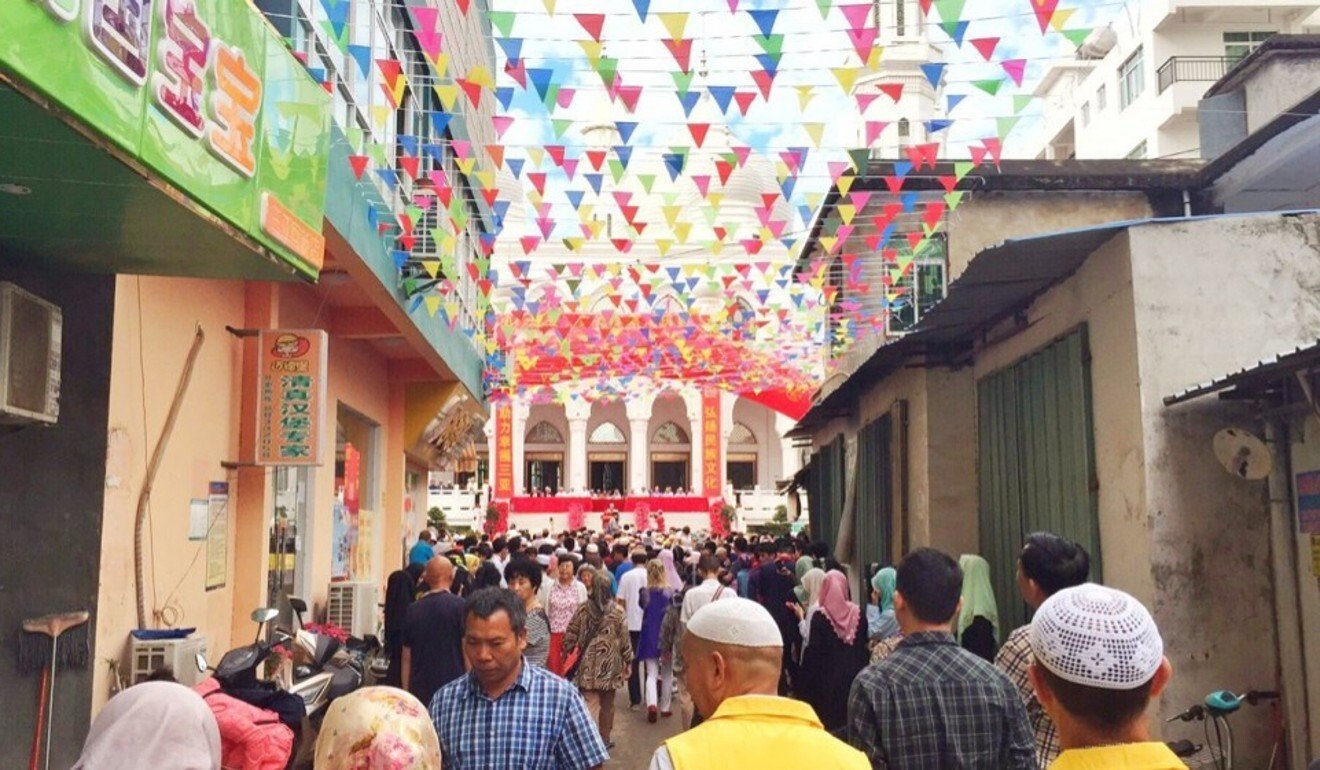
{"points": [[1192, 69]]}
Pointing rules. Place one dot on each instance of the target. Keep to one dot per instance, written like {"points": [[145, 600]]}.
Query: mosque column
{"points": [[639, 425], [577, 410], [521, 411], [789, 462], [695, 428]]}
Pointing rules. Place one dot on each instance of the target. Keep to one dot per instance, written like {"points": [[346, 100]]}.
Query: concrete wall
{"points": [[990, 218], [1277, 85], [153, 332], [52, 480], [1209, 537]]}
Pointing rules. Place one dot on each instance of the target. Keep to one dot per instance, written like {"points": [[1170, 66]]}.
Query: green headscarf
{"points": [[800, 569], [884, 582], [978, 596]]}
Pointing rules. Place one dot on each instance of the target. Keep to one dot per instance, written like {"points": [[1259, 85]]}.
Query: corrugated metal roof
{"points": [[1274, 367], [998, 282]]}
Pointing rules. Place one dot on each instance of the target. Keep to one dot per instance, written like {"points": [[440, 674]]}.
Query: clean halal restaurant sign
{"points": [[201, 91], [291, 398]]}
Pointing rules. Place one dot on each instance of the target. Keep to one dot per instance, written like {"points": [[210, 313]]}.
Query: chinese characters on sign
{"points": [[291, 397], [710, 443], [503, 451], [1308, 502]]}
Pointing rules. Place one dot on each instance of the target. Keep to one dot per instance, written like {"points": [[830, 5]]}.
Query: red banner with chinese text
{"points": [[710, 443], [503, 451]]}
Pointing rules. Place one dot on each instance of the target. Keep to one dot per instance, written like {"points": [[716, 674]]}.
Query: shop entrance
{"points": [[544, 472], [286, 542], [606, 473], [740, 470]]}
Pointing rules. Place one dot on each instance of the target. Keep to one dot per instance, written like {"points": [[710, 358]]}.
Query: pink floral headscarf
{"points": [[377, 728]]}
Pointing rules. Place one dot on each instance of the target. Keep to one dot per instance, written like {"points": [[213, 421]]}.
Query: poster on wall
{"points": [[503, 451], [217, 535], [291, 397], [341, 543], [1308, 502], [710, 443]]}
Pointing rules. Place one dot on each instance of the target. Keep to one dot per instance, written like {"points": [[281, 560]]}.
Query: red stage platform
{"points": [[656, 504]]}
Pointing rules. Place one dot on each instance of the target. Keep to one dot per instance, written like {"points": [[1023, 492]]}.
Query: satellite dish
{"points": [[1242, 454]]}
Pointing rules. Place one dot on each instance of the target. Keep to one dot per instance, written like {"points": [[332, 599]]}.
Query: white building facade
{"points": [[1134, 89]]}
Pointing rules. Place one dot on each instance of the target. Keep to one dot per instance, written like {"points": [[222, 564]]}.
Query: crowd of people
{"points": [[508, 652]]}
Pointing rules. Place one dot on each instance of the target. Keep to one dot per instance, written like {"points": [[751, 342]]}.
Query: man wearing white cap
{"points": [[1099, 661], [732, 650]]}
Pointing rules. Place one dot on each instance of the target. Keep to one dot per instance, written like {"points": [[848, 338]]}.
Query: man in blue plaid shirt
{"points": [[505, 714], [931, 705]]}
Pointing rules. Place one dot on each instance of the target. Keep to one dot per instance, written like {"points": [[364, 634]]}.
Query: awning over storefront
{"points": [[1257, 380], [117, 158]]}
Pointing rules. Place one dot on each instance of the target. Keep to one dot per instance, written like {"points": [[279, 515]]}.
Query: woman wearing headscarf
{"points": [[657, 673], [812, 581], [880, 620], [834, 655], [978, 622], [161, 725], [800, 569], [377, 728], [598, 629], [672, 578]]}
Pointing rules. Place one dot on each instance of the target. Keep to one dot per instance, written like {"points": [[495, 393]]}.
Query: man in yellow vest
{"points": [[732, 652]]}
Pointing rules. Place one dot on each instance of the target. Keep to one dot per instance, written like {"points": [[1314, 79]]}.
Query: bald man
{"points": [[733, 651], [433, 634]]}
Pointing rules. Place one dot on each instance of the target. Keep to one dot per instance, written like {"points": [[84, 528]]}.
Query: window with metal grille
{"points": [[1131, 78]]}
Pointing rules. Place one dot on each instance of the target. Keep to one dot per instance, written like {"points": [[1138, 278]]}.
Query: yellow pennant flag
{"points": [[432, 267], [432, 304], [846, 212], [481, 76], [676, 23], [845, 183], [681, 231], [536, 155], [847, 77], [597, 227], [550, 7], [805, 95], [381, 115], [592, 49], [574, 244], [441, 63], [828, 242], [873, 61], [662, 245], [715, 199], [1061, 17], [816, 131], [448, 93], [671, 213], [486, 179], [467, 166]]}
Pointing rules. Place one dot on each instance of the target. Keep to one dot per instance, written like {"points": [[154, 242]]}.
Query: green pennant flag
{"points": [[1004, 125], [409, 286], [414, 212], [647, 180], [561, 126], [860, 159], [683, 81], [1020, 102], [502, 21], [376, 152], [551, 96], [952, 199], [355, 137], [962, 168], [1077, 36], [771, 44], [824, 7], [616, 169], [608, 69], [341, 40], [950, 10], [989, 86]]}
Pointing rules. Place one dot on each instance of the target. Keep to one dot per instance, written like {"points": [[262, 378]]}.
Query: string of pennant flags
{"points": [[629, 222]]}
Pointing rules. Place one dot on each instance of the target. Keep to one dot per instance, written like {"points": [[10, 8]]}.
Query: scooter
{"points": [[333, 669]]}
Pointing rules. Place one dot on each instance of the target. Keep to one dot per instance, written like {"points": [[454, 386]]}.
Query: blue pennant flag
{"points": [[933, 72], [400, 258], [787, 186], [674, 162], [886, 234], [673, 272], [512, 47], [763, 295], [769, 62], [624, 154], [595, 181], [504, 95], [409, 144], [541, 78], [337, 12], [317, 74], [902, 168], [806, 213], [515, 166], [388, 176], [436, 152], [626, 129], [723, 96], [643, 7], [689, 101], [440, 122], [953, 100], [936, 126], [956, 30], [501, 208], [360, 53], [909, 200], [575, 197], [765, 19]]}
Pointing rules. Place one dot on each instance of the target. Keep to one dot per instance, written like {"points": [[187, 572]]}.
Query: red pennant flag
{"points": [[744, 100], [698, 131], [463, 6], [406, 242], [629, 96], [410, 165], [681, 50], [764, 80], [556, 153], [723, 169], [892, 90], [358, 164], [491, 195], [496, 153], [985, 45], [914, 239], [1044, 12], [894, 183], [537, 178], [596, 158], [473, 91], [593, 23], [931, 216]]}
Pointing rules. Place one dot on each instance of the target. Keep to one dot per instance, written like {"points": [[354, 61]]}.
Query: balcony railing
{"points": [[1201, 69]]}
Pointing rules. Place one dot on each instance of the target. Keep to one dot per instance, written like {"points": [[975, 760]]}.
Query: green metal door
{"points": [[875, 499], [1036, 461], [825, 491]]}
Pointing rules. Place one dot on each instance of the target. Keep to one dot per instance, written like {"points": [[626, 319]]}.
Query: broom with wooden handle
{"points": [[33, 654]]}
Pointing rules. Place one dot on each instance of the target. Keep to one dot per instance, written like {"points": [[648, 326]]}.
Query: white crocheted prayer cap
{"points": [[735, 621], [1097, 637]]}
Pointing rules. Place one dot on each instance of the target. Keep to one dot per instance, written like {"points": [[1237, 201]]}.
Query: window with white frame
{"points": [[1138, 152], [1101, 97], [1086, 113], [1131, 78], [1238, 44]]}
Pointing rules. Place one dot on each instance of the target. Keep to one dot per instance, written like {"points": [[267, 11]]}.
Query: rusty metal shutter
{"points": [[1036, 462]]}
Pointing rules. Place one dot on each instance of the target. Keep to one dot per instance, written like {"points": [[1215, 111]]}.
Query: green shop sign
{"points": [[201, 92]]}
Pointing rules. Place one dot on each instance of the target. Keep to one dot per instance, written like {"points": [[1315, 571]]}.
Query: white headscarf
{"points": [[161, 725]]}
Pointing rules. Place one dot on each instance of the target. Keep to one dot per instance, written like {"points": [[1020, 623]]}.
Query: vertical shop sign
{"points": [[710, 443], [503, 451], [217, 535], [1308, 502], [291, 396]]}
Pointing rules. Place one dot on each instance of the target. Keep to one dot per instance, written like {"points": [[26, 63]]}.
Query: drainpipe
{"points": [[1287, 612]]}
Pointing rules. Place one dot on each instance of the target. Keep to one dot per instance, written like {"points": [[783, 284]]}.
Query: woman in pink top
{"points": [[563, 600]]}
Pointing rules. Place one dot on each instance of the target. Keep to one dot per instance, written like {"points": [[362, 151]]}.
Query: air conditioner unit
{"points": [[352, 607], [150, 655], [30, 333]]}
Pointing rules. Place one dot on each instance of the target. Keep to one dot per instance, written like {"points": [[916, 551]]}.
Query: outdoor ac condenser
{"points": [[352, 607], [149, 655], [30, 332]]}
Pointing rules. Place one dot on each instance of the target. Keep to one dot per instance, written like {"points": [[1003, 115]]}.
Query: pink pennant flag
{"points": [[702, 181], [733, 6], [570, 167], [502, 123], [860, 199], [836, 169], [865, 100], [517, 70], [863, 41], [874, 129], [743, 152], [629, 96], [565, 97], [857, 14], [529, 242], [427, 31], [462, 148], [1015, 69]]}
